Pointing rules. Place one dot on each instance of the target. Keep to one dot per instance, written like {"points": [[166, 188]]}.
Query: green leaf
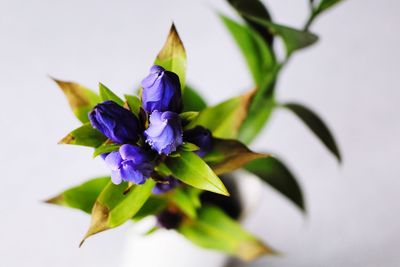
{"points": [[114, 206], [325, 5], [106, 147], [134, 104], [254, 8], [213, 229], [272, 171], [85, 135], [259, 57], [172, 56], [151, 207], [260, 110], [229, 155], [81, 99], [316, 125], [294, 39], [189, 116], [233, 112], [184, 202], [192, 170], [192, 101], [107, 94], [189, 147], [81, 197]]}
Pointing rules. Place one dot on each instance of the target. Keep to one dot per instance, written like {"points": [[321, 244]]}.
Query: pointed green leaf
{"points": [[272, 171], [255, 8], [107, 94], [172, 56], [114, 206], [106, 147], [85, 135], [81, 197], [192, 170], [81, 99], [134, 104], [326, 4], [258, 55], [229, 155], [213, 229], [294, 39], [192, 101], [316, 125], [233, 112]]}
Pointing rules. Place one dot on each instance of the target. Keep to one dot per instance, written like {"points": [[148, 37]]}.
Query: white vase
{"points": [[167, 248]]}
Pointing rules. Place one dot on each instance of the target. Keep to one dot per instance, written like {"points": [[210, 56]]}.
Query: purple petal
{"points": [[113, 160], [116, 177]]}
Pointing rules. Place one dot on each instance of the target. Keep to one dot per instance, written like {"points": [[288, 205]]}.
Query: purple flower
{"points": [[165, 185], [165, 132], [201, 137], [161, 91], [117, 123], [130, 163]]}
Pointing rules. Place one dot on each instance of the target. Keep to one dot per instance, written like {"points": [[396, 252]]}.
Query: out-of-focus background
{"points": [[351, 77]]}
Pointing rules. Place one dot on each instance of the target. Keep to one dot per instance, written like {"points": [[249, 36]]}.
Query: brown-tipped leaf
{"points": [[114, 206], [229, 155], [81, 99], [213, 229], [172, 56]]}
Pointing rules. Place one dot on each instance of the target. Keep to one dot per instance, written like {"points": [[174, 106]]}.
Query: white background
{"points": [[350, 77]]}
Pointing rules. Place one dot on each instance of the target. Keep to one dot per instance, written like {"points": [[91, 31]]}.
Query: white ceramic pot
{"points": [[166, 248]]}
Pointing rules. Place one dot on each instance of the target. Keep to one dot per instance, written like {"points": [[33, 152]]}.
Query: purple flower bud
{"points": [[161, 91], [117, 123], [130, 163], [201, 137], [165, 132], [165, 185]]}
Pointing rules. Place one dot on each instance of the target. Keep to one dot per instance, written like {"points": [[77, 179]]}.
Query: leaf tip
{"points": [[68, 139], [57, 200]]}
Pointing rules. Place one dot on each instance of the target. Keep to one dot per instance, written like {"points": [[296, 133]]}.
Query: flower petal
{"points": [[113, 160]]}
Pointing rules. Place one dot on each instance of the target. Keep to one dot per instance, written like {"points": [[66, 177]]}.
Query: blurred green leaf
{"points": [[325, 5], [233, 111], [134, 104], [316, 125], [192, 170], [192, 101], [172, 56], [152, 206], [255, 8], [188, 116], [229, 155], [184, 202], [189, 147], [81, 99], [258, 55], [106, 147], [114, 206], [272, 171], [294, 39], [85, 135], [81, 197], [107, 94], [213, 229]]}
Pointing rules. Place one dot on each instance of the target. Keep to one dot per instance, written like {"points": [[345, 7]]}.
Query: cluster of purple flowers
{"points": [[162, 103]]}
